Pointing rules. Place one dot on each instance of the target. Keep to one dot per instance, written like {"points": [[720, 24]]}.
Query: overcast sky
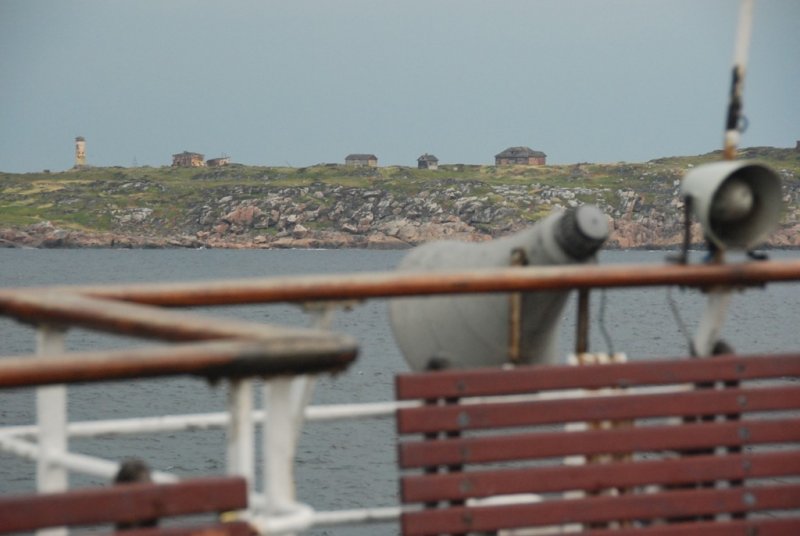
{"points": [[309, 81]]}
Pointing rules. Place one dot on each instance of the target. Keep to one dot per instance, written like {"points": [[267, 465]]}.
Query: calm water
{"points": [[344, 464]]}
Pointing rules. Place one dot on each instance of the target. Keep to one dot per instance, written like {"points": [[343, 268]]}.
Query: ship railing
{"points": [[238, 351]]}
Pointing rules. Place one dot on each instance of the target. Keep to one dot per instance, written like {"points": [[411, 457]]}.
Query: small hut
{"points": [[187, 159], [427, 161], [520, 156], [361, 160], [218, 162]]}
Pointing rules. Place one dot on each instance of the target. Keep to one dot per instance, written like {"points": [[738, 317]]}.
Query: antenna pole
{"points": [[734, 117]]}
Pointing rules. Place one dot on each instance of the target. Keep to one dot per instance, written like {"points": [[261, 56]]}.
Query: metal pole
{"points": [[734, 116], [518, 258], [285, 400], [394, 284], [582, 324], [719, 298], [279, 447], [51, 411], [241, 456]]}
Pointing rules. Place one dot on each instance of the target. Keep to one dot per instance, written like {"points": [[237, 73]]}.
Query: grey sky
{"points": [[302, 82]]}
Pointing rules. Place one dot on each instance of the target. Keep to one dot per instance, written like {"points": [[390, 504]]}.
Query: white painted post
{"points": [[285, 400], [241, 456], [51, 411], [279, 446]]}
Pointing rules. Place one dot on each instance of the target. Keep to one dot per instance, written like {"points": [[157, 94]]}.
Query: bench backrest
{"points": [[128, 503], [683, 446]]}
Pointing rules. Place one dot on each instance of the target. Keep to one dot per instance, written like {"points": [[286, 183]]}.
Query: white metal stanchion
{"points": [[285, 399], [51, 411], [241, 456]]}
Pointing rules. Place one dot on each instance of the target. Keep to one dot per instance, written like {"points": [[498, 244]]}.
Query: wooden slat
{"points": [[233, 528], [596, 476], [122, 503], [595, 408], [672, 504], [616, 441], [497, 443], [743, 527], [531, 379]]}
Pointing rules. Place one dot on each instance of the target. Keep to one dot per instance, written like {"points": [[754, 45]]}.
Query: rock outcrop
{"points": [[387, 208]]}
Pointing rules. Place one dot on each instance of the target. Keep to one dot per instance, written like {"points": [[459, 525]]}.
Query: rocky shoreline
{"points": [[331, 206], [625, 235]]}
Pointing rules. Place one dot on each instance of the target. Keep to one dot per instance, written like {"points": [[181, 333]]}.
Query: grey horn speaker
{"points": [[738, 203]]}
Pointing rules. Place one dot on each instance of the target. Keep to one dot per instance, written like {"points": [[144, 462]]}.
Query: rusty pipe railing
{"points": [[216, 348], [59, 307], [235, 350], [260, 350], [212, 360], [398, 284]]}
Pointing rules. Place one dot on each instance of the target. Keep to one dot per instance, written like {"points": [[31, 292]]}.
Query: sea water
{"points": [[340, 464]]}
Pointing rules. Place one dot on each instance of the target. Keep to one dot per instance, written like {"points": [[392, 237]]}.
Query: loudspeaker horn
{"points": [[738, 203]]}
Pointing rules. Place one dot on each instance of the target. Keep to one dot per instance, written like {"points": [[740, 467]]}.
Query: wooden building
{"points": [[361, 160], [218, 162], [187, 159], [520, 156], [427, 161]]}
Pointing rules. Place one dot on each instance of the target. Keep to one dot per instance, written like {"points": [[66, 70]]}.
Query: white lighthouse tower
{"points": [[80, 152]]}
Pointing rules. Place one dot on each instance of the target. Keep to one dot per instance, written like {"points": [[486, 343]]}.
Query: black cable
{"points": [[678, 320], [602, 323]]}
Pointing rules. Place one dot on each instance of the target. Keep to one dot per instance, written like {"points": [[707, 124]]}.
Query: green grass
{"points": [[20, 215], [84, 198]]}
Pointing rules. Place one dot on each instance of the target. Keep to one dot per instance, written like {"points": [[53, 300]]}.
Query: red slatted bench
{"points": [[674, 447], [130, 503]]}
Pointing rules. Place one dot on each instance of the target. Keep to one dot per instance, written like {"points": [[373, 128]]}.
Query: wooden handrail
{"points": [[70, 309], [211, 360], [127, 310], [397, 284], [244, 348]]}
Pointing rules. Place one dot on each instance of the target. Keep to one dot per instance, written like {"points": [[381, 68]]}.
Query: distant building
{"points": [[80, 152], [520, 155], [361, 160], [187, 159], [797, 147], [427, 161], [219, 162]]}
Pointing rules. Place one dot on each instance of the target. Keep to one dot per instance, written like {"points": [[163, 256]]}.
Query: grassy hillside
{"points": [[93, 199]]}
